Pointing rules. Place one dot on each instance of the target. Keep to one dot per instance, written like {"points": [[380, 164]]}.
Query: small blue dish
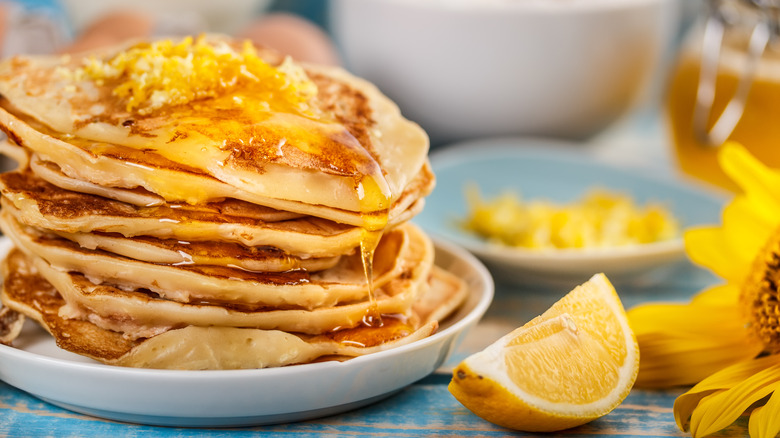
{"points": [[558, 172]]}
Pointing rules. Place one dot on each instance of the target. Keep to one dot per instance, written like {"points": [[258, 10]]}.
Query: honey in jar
{"points": [[726, 86]]}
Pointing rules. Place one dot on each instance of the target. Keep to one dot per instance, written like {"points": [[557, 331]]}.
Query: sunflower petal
{"points": [[763, 216], [669, 361], [719, 410], [681, 344], [720, 295], [760, 183], [744, 231], [720, 383], [765, 420], [710, 247], [688, 319]]}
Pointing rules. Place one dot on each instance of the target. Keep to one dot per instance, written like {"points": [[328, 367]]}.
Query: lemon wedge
{"points": [[574, 363]]}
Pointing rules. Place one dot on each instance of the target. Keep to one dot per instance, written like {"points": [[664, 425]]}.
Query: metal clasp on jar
{"points": [[763, 17]]}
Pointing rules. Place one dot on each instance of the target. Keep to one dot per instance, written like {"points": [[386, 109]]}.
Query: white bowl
{"points": [[476, 68]]}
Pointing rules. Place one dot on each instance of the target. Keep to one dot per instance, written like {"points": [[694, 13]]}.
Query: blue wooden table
{"points": [[424, 408]]}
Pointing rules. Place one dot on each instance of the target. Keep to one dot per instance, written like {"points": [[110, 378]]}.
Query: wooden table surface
{"points": [[424, 408]]}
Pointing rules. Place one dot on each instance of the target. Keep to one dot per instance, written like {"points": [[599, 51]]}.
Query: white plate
{"points": [[559, 172], [240, 397]]}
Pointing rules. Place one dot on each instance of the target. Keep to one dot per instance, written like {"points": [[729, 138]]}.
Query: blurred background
{"points": [[621, 77]]}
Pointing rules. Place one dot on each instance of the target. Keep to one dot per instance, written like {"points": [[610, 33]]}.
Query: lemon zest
{"points": [[165, 73], [600, 219]]}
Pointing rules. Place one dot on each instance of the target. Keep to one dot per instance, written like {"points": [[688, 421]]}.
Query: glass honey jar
{"points": [[726, 86]]}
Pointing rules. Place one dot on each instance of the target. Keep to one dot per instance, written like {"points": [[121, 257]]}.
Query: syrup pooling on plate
{"points": [[392, 327]]}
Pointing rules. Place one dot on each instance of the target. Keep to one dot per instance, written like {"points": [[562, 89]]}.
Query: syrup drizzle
{"points": [[375, 207], [369, 240]]}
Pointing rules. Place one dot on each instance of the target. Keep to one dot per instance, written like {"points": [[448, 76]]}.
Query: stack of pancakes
{"points": [[203, 204]]}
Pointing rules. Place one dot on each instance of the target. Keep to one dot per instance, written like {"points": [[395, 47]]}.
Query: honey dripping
{"points": [[374, 221], [292, 263]]}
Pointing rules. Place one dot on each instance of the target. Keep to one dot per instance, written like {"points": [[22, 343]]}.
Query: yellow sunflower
{"points": [[726, 341]]}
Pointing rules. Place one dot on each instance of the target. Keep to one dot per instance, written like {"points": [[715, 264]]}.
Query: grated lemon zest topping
{"points": [[601, 219], [166, 73]]}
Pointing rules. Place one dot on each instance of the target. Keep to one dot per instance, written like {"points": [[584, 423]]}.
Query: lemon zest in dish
{"points": [[151, 76], [600, 219]]}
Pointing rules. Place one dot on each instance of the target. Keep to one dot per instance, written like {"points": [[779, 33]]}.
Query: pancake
{"points": [[335, 143], [211, 347], [52, 174], [177, 252], [11, 323], [169, 251], [122, 167], [401, 252], [139, 313], [37, 203]]}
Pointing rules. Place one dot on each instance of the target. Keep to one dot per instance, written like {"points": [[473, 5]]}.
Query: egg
{"points": [[294, 36]]}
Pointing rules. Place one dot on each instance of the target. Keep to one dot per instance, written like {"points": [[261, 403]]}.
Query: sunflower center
{"points": [[760, 296]]}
